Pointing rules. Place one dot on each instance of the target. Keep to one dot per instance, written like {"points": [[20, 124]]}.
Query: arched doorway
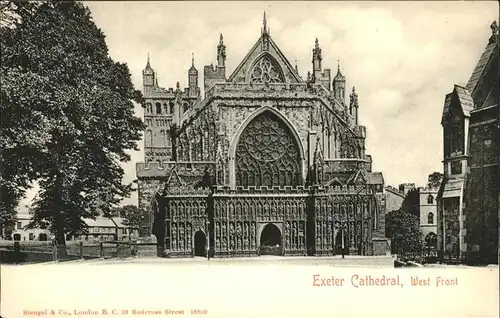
{"points": [[270, 240], [431, 240], [200, 243], [42, 237]]}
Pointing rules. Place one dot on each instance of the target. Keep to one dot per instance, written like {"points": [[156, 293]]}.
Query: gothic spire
{"points": [[265, 29], [148, 70], [192, 69], [221, 52], [339, 75]]}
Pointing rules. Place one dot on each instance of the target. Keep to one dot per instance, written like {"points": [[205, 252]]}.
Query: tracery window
{"points": [[267, 154], [265, 71]]}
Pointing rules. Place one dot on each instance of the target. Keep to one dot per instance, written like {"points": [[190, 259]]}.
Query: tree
{"points": [[435, 179], [23, 128], [411, 203], [69, 115], [404, 232], [133, 217]]}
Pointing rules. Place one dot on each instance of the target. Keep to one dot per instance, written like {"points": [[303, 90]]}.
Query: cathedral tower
{"points": [[148, 75], [216, 74], [193, 80], [316, 60], [339, 86]]}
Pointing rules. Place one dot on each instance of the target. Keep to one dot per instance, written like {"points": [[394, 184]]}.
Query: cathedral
{"points": [[262, 162]]}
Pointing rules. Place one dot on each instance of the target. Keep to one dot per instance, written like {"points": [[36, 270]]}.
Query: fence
{"points": [[427, 256], [39, 251]]}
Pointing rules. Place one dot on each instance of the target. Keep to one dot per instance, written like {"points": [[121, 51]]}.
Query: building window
{"points": [[430, 199], [19, 226], [430, 218], [158, 108], [267, 154], [31, 236], [266, 71], [171, 107], [17, 237]]}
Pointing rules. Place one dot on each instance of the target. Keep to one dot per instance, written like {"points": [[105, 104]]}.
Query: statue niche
{"points": [[267, 154]]}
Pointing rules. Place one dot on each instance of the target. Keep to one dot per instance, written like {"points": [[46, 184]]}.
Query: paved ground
{"points": [[338, 261]]}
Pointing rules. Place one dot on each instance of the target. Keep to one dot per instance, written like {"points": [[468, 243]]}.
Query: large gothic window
{"points": [[266, 71], [267, 154]]}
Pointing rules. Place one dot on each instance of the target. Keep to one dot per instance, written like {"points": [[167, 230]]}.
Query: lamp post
{"points": [[208, 240]]}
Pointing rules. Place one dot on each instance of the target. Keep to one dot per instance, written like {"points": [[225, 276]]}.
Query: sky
{"points": [[402, 57]]}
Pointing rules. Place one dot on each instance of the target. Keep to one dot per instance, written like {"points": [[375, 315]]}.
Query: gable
{"points": [[174, 180], [265, 49], [457, 102]]}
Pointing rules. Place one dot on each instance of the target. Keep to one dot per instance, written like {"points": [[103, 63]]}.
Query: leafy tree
{"points": [[23, 128], [133, 217], [404, 232], [411, 203], [69, 115], [435, 179]]}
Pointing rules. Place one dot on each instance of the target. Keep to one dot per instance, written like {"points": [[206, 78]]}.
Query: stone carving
{"points": [[266, 154], [265, 71]]}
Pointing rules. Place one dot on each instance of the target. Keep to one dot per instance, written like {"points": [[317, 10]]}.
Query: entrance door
{"points": [[270, 240], [200, 242]]}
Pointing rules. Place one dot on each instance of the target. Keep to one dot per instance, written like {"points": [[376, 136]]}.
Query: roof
{"points": [[464, 98], [374, 178], [481, 66], [453, 188], [100, 221]]}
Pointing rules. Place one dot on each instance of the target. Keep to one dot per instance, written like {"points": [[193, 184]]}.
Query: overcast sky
{"points": [[403, 57]]}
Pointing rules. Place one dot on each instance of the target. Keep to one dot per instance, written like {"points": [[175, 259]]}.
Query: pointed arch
{"points": [[279, 118], [265, 69]]}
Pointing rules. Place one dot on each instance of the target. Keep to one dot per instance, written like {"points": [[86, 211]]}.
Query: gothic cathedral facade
{"points": [[264, 162]]}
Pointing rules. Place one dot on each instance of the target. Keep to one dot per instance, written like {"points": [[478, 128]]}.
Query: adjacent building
{"points": [[263, 162], [425, 200], [393, 199], [22, 233], [106, 229], [468, 228], [427, 208], [100, 229]]}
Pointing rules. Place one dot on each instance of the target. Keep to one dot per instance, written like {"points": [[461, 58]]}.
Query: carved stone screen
{"points": [[267, 154], [265, 71]]}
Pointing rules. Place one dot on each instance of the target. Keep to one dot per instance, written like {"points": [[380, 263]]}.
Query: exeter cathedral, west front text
{"points": [[263, 162]]}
